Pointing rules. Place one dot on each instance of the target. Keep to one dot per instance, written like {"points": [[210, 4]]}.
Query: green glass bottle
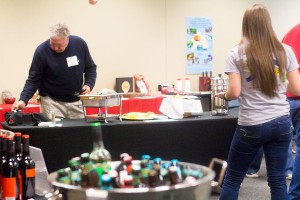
{"points": [[75, 172], [136, 175], [63, 176], [99, 154]]}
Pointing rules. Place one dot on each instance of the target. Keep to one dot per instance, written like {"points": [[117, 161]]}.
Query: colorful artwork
{"points": [[198, 45]]}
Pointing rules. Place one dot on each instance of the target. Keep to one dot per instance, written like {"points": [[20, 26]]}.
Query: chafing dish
{"points": [[101, 101]]}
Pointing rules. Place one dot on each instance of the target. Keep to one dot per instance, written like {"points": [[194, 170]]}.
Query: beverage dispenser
{"points": [[219, 106]]}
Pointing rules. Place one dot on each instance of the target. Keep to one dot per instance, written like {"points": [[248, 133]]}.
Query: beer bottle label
{"points": [[9, 190], [30, 173]]}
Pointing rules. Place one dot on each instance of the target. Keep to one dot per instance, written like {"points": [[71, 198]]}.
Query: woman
{"points": [[261, 69]]}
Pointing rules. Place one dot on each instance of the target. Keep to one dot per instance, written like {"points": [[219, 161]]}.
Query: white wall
{"points": [[126, 37]]}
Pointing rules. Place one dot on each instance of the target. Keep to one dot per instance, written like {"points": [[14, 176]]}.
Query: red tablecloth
{"points": [[137, 104], [30, 108]]}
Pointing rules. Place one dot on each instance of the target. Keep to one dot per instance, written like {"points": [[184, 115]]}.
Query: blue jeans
{"points": [[274, 136], [294, 190], [255, 165]]}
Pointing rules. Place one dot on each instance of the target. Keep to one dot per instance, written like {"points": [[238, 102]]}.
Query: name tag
{"points": [[72, 61]]}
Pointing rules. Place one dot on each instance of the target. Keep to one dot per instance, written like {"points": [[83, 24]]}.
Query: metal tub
{"points": [[199, 190]]}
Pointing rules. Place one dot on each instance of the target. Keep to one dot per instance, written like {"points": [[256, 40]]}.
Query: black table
{"points": [[193, 139]]}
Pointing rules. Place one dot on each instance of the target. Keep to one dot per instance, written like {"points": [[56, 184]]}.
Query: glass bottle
{"points": [[3, 156], [157, 167], [122, 169], [86, 166], [99, 153], [106, 182], [63, 176], [164, 172], [18, 147], [128, 182], [75, 172], [114, 178], [10, 183], [128, 164], [174, 177], [3, 148], [27, 169], [86, 163], [175, 163], [153, 178], [136, 174], [144, 173]]}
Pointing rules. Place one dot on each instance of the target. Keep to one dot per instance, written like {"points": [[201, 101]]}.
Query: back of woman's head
{"points": [[257, 24], [263, 49]]}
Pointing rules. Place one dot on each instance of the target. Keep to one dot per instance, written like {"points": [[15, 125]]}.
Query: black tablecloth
{"points": [[194, 139]]}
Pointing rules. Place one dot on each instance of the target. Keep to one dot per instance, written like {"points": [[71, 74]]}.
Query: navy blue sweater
{"points": [[50, 75]]}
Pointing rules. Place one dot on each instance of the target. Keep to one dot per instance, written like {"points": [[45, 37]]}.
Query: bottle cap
{"points": [[25, 136], [127, 158], [105, 178], [157, 160], [146, 157], [18, 134]]}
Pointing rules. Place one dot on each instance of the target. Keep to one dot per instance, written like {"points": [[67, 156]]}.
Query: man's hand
{"points": [[18, 105], [86, 89]]}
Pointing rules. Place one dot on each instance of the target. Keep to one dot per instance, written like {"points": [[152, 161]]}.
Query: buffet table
{"points": [[195, 139]]}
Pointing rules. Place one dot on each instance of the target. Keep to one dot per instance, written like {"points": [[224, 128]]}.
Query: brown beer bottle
{"points": [[27, 169]]}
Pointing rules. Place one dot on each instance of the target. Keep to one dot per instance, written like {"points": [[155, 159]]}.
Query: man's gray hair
{"points": [[59, 30]]}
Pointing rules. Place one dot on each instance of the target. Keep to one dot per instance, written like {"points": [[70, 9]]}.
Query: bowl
{"points": [[199, 190], [9, 100]]}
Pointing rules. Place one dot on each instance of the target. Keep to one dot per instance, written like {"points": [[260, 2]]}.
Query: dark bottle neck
{"points": [[3, 147], [18, 141], [11, 149], [26, 151], [97, 135]]}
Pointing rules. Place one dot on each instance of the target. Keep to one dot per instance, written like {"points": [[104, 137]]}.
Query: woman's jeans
{"points": [[294, 189], [274, 136]]}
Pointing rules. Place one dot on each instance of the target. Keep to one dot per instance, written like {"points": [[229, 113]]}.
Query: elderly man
{"points": [[61, 69]]}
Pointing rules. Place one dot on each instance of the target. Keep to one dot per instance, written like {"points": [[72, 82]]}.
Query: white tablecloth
{"points": [[175, 108]]}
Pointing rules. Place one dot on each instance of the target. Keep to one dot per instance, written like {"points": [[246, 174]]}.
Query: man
{"points": [[61, 69]]}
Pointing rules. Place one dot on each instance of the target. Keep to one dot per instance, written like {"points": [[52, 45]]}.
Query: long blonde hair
{"points": [[263, 50]]}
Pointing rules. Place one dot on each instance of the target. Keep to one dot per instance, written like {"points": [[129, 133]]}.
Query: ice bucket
{"points": [[198, 190]]}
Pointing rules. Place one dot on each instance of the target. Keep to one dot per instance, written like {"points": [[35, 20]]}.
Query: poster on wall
{"points": [[198, 45]]}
